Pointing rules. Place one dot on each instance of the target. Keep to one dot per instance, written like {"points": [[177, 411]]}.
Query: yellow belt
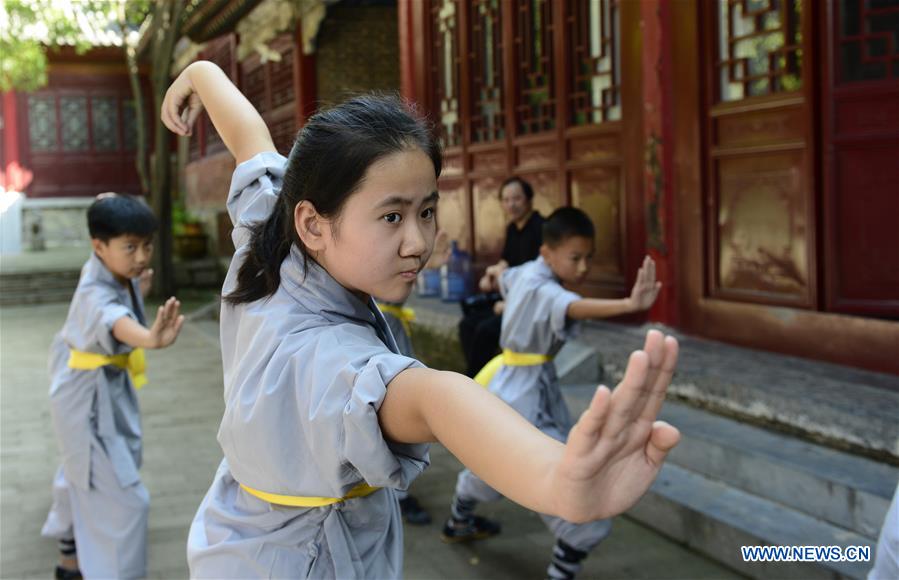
{"points": [[134, 362], [509, 358], [360, 490], [403, 314]]}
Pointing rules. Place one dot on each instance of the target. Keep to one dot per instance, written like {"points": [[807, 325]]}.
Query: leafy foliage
{"points": [[28, 28]]}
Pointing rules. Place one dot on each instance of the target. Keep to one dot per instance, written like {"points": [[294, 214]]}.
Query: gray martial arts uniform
{"points": [[404, 344], [97, 493], [398, 330], [886, 557], [534, 322], [306, 371]]}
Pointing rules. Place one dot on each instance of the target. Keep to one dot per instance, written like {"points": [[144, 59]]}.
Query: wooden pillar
{"points": [[413, 29], [305, 84], [656, 18], [10, 152]]}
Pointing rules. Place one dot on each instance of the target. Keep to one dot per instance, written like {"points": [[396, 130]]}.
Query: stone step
{"points": [[845, 490], [729, 484], [717, 520], [841, 407], [37, 287], [54, 278], [43, 297]]}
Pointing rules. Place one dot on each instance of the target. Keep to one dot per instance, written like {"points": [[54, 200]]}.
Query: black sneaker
{"points": [[413, 513], [66, 574], [477, 528]]}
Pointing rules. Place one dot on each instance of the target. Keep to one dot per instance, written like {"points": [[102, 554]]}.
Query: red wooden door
{"points": [[760, 183], [861, 157]]}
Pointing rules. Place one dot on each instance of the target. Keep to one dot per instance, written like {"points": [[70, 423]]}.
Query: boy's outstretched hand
{"points": [[617, 447], [646, 288], [167, 325]]}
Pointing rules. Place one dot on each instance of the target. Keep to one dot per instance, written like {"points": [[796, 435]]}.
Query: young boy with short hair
{"points": [[96, 363], [540, 315]]}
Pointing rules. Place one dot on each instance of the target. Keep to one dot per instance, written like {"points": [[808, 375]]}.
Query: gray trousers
{"points": [[108, 522], [583, 537]]}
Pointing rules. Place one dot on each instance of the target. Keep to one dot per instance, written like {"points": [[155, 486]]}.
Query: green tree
{"points": [[29, 28]]}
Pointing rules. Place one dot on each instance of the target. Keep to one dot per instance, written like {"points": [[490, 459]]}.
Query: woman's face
{"points": [[385, 231], [515, 203]]}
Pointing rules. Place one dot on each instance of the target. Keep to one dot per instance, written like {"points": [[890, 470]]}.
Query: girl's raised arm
{"points": [[613, 454], [204, 85]]}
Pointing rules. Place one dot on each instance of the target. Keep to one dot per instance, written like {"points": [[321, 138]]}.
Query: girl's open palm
{"points": [[168, 323], [646, 288], [617, 447]]}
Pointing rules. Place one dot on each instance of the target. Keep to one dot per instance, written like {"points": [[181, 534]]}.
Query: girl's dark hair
{"points": [[564, 223], [115, 215], [525, 186], [326, 165]]}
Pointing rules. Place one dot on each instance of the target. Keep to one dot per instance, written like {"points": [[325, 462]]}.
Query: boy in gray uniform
{"points": [[540, 316], [96, 363]]}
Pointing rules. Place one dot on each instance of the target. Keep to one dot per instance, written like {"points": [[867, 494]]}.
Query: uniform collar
{"points": [[542, 269], [98, 272], [314, 287]]}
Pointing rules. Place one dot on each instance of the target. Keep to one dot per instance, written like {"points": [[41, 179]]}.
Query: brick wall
{"points": [[357, 51]]}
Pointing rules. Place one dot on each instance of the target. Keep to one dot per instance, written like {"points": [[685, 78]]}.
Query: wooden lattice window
{"points": [[868, 39], [42, 122], [486, 65], [535, 110], [73, 121], [445, 63], [594, 87], [129, 124], [759, 47], [105, 123]]}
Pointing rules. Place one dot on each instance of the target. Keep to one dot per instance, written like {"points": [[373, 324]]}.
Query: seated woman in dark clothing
{"points": [[480, 328]]}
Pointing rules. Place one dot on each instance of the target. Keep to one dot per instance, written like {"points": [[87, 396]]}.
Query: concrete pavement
{"points": [[182, 407]]}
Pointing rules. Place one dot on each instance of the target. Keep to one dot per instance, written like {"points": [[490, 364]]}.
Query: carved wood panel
{"points": [[861, 158], [598, 192], [453, 211], [489, 220], [547, 193], [761, 226], [866, 226]]}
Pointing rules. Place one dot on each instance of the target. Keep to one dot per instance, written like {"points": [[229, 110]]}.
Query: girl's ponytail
{"points": [[260, 273]]}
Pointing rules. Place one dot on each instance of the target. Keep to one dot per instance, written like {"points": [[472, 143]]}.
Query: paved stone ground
{"points": [[182, 406]]}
